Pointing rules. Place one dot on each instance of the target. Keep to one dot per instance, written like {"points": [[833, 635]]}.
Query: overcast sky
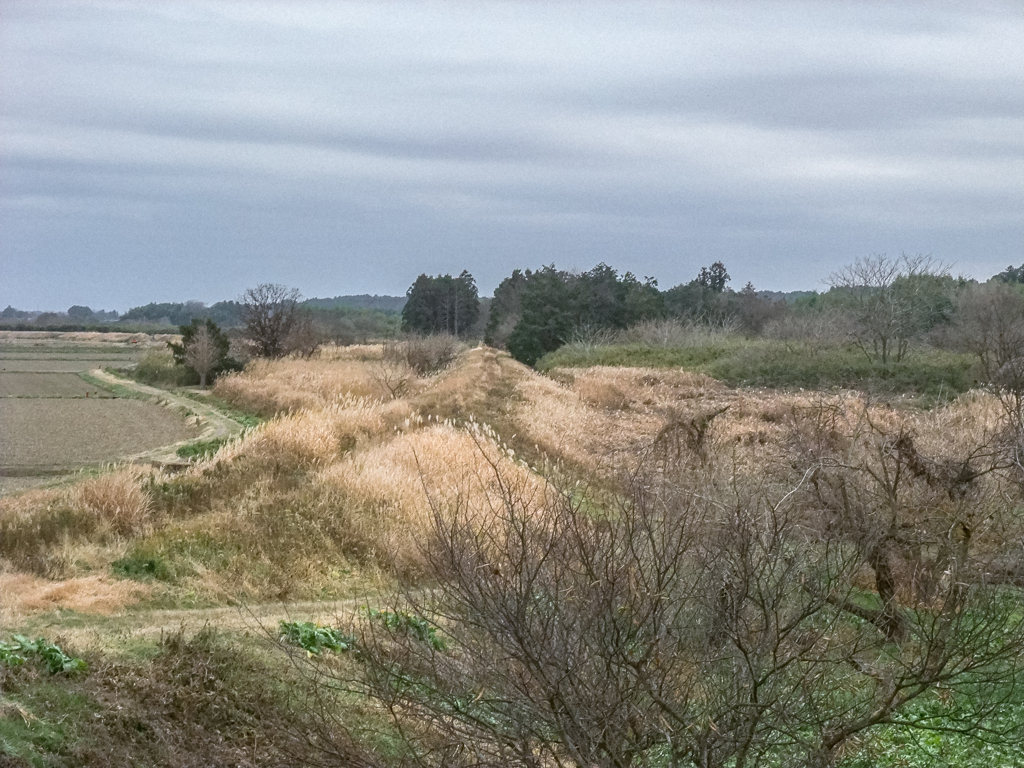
{"points": [[165, 151]]}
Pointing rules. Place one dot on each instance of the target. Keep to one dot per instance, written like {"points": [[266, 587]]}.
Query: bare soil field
{"points": [[52, 421], [61, 338], [48, 435], [45, 352], [66, 365], [46, 385]]}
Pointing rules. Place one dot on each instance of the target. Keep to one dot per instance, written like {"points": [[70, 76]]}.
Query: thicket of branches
{"points": [[693, 614]]}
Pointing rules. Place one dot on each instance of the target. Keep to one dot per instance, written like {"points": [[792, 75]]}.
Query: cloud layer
{"points": [[188, 150]]}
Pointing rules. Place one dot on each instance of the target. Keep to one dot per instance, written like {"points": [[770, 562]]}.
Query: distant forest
{"points": [[347, 317], [533, 313]]}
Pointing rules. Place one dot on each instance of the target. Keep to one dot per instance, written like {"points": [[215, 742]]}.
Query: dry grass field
{"points": [[343, 477]]}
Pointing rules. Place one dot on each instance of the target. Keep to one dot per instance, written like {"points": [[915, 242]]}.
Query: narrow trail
{"points": [[212, 423], [146, 625]]}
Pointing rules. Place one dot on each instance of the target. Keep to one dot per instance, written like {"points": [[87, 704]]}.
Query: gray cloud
{"points": [[188, 150]]}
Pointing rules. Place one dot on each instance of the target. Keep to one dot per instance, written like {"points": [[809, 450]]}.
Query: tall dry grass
{"points": [[399, 484], [271, 387], [116, 499], [315, 437], [42, 531]]}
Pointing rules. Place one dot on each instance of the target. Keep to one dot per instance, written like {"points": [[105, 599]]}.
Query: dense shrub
{"points": [[158, 369]]}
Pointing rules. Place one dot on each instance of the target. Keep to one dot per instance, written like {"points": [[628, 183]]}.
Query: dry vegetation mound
{"points": [[345, 475]]}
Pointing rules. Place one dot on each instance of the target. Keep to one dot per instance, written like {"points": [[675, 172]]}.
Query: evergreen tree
{"points": [[713, 278], [220, 342], [547, 318], [442, 304], [506, 308]]}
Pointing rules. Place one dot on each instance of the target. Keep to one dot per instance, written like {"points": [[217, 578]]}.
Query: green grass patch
{"points": [[38, 724], [117, 390], [142, 567], [766, 363], [246, 419], [201, 449]]}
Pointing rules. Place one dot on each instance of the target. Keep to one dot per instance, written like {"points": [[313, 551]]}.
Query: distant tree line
{"points": [[534, 313], [360, 301], [224, 313], [881, 304], [75, 314]]}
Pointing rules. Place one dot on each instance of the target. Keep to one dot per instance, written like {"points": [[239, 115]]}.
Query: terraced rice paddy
{"points": [[47, 386], [52, 420]]}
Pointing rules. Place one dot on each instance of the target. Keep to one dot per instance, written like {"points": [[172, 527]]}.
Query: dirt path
{"points": [[212, 423], [130, 628]]}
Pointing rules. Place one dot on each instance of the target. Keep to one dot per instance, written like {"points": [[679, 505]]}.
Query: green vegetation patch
{"points": [[143, 567], [211, 696], [406, 623], [20, 649], [639, 356], [315, 638], [777, 364], [201, 449]]}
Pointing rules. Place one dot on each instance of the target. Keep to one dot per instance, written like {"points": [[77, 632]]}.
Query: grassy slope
{"points": [[261, 523], [776, 364]]}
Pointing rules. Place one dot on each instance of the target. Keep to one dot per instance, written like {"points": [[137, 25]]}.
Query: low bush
{"points": [[424, 354], [157, 368]]}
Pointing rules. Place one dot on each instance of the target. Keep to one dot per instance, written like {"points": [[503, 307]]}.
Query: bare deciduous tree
{"points": [[304, 338], [393, 375], [202, 354], [890, 301], [990, 325], [269, 313], [424, 354]]}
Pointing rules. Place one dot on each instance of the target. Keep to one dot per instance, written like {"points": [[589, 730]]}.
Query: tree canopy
{"points": [[441, 304]]}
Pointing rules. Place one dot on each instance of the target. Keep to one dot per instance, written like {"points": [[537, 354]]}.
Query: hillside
{"points": [[343, 491]]}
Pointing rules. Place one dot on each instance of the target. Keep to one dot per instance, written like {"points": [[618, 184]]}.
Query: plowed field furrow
{"points": [[47, 385], [47, 365], [43, 435]]}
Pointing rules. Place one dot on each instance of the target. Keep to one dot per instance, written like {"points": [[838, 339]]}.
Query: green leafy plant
{"points": [[21, 649], [315, 638]]}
